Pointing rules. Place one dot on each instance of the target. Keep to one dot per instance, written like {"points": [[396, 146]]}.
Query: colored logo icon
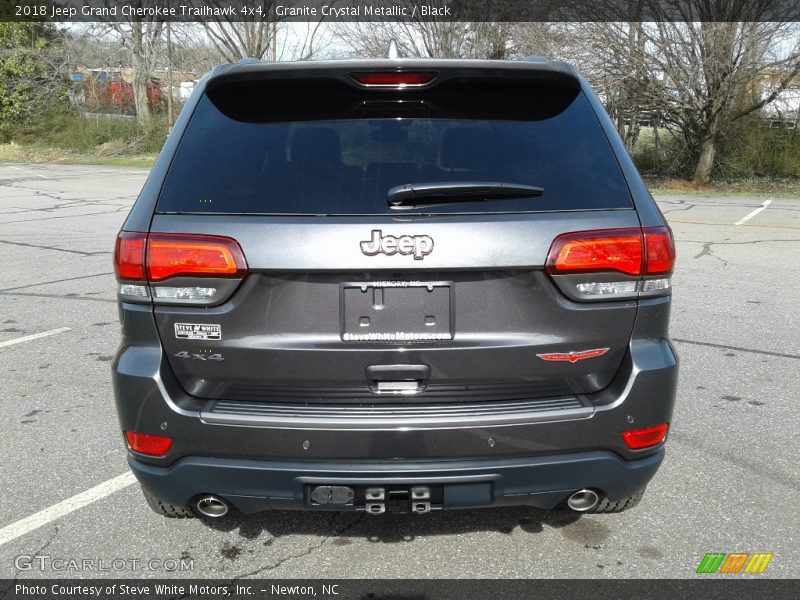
{"points": [[734, 562]]}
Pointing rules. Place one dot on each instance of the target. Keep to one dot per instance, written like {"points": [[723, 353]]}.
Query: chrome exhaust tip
{"points": [[583, 500], [211, 506]]}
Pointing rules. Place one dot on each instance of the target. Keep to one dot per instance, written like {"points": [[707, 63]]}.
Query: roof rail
{"points": [[249, 60], [536, 58]]}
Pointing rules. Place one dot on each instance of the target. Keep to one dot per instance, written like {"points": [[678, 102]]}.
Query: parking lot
{"points": [[729, 482]]}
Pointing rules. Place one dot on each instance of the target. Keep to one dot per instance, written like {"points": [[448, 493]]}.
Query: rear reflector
{"points": [[395, 78], [636, 439], [171, 255], [152, 445]]}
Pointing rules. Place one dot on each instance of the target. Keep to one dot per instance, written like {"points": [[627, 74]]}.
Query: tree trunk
{"points": [[139, 76], [702, 172]]}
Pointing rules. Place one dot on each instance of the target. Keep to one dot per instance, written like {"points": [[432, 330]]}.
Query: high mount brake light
{"points": [[394, 78], [141, 259], [638, 254]]}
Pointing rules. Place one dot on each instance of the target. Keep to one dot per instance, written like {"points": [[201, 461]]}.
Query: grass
{"points": [[753, 186], [12, 152], [71, 137]]}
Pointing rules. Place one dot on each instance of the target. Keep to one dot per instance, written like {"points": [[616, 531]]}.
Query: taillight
{"points": [[152, 445], [641, 259], [129, 255], [394, 78], [172, 255], [141, 259], [637, 439], [587, 251], [660, 250]]}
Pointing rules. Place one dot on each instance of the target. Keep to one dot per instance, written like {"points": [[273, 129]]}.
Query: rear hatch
{"points": [[445, 296]]}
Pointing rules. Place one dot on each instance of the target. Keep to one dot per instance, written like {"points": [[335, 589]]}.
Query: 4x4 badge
{"points": [[418, 245]]}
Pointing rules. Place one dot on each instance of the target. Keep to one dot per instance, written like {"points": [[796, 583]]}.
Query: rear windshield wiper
{"points": [[414, 195]]}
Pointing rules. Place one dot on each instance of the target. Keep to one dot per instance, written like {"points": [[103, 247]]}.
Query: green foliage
{"points": [[749, 149], [28, 85], [664, 155], [104, 135]]}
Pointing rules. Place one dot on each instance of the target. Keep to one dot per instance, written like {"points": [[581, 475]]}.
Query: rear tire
{"points": [[607, 506], [171, 511]]}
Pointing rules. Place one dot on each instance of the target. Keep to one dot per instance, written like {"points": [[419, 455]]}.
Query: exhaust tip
{"points": [[583, 500], [211, 506]]}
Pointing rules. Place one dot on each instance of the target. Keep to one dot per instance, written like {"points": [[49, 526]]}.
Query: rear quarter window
{"points": [[345, 163]]}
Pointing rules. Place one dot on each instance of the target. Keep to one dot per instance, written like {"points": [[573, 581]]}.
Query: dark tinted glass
{"points": [[346, 165]]}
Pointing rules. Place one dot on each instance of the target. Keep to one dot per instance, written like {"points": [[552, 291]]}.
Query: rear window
{"points": [[344, 161]]}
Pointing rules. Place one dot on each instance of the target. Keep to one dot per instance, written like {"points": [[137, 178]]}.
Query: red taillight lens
{"points": [[604, 250], [171, 255], [129, 255], [152, 445], [659, 249], [394, 78], [636, 439]]}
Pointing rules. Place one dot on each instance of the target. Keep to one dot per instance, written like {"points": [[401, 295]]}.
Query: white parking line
{"points": [[35, 336], [752, 214], [29, 172], [78, 501]]}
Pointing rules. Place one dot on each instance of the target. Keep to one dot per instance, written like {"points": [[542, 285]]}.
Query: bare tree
{"points": [[696, 69], [236, 40], [143, 40], [713, 74], [432, 38]]}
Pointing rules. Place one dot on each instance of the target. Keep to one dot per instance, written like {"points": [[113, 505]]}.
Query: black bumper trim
{"points": [[253, 485]]}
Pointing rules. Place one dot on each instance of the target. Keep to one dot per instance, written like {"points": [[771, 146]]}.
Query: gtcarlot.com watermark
{"points": [[58, 564]]}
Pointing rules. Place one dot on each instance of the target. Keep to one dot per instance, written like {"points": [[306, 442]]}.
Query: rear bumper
{"points": [[544, 481], [266, 460]]}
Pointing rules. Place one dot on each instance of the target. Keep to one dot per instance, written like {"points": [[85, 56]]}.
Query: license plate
{"points": [[396, 311]]}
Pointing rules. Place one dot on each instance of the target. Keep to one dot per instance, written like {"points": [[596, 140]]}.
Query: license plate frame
{"points": [[386, 303]]}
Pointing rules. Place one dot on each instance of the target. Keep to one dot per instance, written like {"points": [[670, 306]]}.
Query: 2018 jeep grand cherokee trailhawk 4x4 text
{"points": [[394, 284]]}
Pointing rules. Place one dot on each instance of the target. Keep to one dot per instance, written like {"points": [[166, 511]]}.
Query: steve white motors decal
{"points": [[198, 331]]}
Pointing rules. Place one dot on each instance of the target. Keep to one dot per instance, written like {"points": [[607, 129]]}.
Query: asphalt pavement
{"points": [[729, 482]]}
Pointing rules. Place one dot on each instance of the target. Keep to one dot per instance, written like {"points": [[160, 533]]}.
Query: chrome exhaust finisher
{"points": [[583, 500], [211, 506]]}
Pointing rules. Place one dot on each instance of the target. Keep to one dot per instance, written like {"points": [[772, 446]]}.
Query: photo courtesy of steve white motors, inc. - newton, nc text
{"points": [[399, 299]]}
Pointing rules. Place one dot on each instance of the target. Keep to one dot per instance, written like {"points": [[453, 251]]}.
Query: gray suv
{"points": [[394, 285]]}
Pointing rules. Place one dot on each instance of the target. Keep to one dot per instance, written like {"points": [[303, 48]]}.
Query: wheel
{"points": [[165, 509], [607, 506]]}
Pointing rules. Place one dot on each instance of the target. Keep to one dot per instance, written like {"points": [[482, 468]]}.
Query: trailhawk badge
{"points": [[418, 245]]}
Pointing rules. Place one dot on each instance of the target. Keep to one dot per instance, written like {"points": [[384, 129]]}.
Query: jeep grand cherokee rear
{"points": [[394, 285]]}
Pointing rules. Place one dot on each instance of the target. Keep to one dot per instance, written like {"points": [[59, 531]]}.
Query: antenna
{"points": [[392, 51]]}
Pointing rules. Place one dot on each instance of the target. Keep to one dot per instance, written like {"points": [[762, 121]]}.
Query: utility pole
{"points": [[169, 77]]}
